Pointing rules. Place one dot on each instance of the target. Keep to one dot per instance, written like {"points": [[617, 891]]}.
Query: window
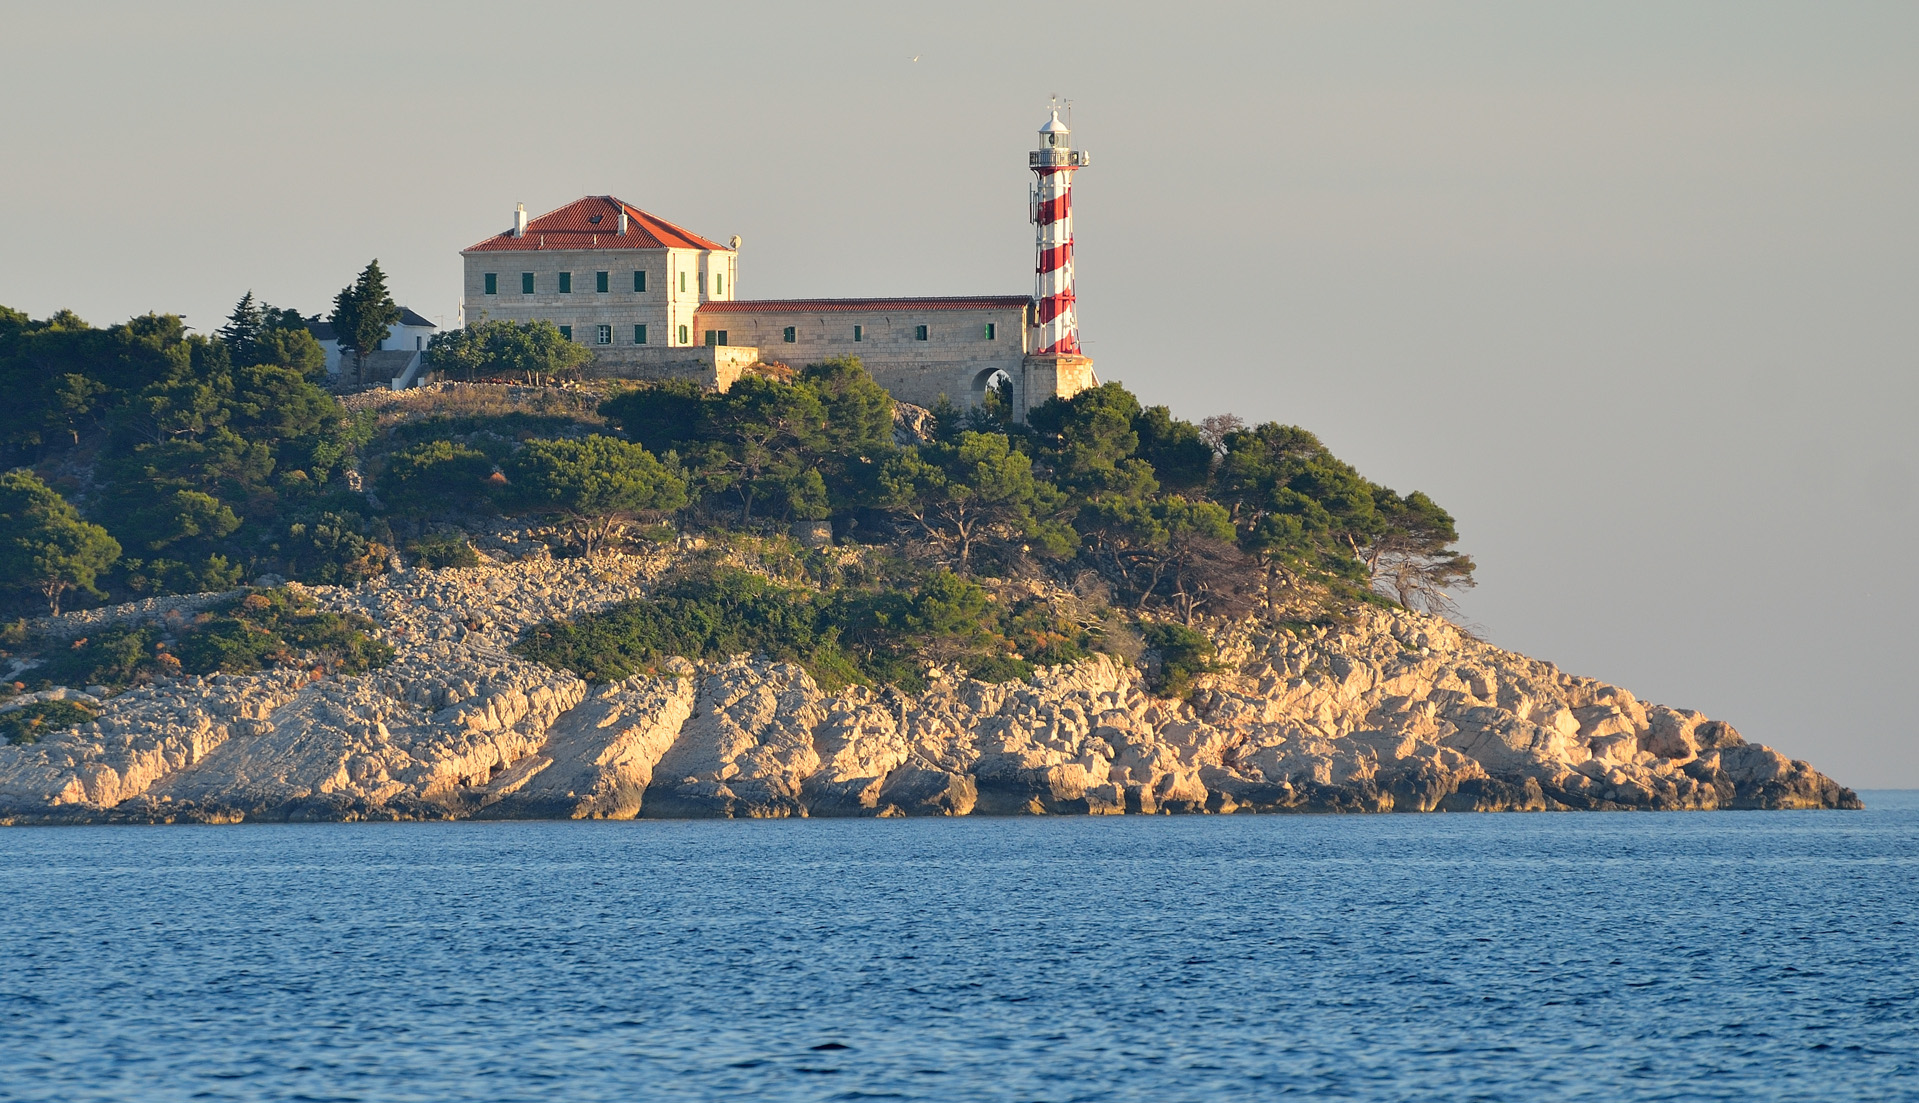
{"points": [[919, 333], [992, 331], [599, 282], [715, 337], [859, 333], [493, 283], [566, 283], [682, 283], [788, 335], [566, 332], [603, 335], [683, 339], [639, 335], [719, 287], [639, 281], [526, 283]]}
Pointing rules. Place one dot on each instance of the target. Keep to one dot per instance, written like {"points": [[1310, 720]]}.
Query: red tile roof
{"points": [[573, 227], [850, 306]]}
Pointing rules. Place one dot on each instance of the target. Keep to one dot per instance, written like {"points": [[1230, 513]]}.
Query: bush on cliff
{"points": [[887, 636], [28, 723], [443, 549], [257, 629], [1183, 655]]}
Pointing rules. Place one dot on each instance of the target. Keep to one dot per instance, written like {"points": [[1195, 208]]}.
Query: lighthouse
{"points": [[1055, 322]]}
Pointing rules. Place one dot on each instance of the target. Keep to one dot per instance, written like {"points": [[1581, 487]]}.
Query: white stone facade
{"points": [[676, 282]]}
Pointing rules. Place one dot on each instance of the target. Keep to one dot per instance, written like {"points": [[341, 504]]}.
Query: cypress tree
{"points": [[363, 314]]}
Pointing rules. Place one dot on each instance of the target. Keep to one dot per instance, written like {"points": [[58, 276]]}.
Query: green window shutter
{"points": [[788, 336], [566, 332], [493, 283], [526, 283], [566, 283], [992, 331], [682, 282], [639, 335], [599, 282], [639, 280], [719, 287], [859, 333], [683, 328], [919, 333]]}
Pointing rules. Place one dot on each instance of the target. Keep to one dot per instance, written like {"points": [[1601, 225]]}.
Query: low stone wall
{"points": [[715, 367]]}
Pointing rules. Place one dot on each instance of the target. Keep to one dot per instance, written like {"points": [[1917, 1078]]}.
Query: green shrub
{"points": [[723, 614], [999, 668], [229, 645], [257, 629], [1183, 654], [443, 550], [29, 722], [883, 637], [436, 476], [338, 642], [334, 549], [116, 656]]}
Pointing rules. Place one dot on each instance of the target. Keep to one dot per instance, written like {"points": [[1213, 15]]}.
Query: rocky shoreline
{"points": [[1393, 711]]}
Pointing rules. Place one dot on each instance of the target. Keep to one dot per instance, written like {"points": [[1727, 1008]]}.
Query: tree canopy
{"points": [[213, 459], [533, 351], [363, 314], [44, 544], [596, 483]]}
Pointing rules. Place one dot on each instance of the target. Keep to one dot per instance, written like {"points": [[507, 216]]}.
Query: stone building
{"points": [[656, 301]]}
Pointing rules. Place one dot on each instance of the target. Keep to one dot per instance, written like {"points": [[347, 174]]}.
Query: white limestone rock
{"points": [[1393, 711]]}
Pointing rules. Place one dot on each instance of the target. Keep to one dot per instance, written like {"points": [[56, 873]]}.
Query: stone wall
{"points": [[715, 368]]}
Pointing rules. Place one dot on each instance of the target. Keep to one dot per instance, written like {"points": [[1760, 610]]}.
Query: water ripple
{"points": [[1717, 956]]}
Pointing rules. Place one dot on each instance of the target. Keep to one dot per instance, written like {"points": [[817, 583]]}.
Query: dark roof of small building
{"points": [[323, 331], [865, 306], [593, 222]]}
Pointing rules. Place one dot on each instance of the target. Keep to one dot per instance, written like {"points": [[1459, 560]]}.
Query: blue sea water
{"points": [[1714, 956]]}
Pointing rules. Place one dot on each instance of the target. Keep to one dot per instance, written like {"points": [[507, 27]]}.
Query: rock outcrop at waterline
{"points": [[1394, 711]]}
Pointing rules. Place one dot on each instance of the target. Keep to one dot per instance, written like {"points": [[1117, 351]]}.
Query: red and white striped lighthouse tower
{"points": [[1056, 323]]}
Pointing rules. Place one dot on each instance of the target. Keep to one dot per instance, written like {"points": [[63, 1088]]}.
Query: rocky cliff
{"points": [[1393, 711]]}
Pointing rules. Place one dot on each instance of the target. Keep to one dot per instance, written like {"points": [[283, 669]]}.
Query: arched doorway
{"points": [[992, 390]]}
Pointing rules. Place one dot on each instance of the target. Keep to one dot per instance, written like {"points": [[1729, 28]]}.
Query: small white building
{"points": [[399, 354]]}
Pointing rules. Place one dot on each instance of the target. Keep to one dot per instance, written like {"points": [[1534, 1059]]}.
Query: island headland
{"points": [[530, 576], [720, 670]]}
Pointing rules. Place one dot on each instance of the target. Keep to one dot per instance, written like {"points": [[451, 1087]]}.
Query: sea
{"points": [[1741, 956]]}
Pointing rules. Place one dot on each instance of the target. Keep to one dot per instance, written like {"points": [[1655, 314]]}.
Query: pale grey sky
{"points": [[1627, 286]]}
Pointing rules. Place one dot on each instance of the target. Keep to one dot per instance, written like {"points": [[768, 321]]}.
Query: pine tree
{"points": [[44, 544], [363, 315], [243, 329]]}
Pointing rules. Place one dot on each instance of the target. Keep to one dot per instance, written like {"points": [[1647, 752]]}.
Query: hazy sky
{"points": [[1629, 287]]}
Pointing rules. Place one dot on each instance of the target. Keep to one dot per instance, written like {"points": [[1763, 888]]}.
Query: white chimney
{"points": [[622, 221], [519, 220]]}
